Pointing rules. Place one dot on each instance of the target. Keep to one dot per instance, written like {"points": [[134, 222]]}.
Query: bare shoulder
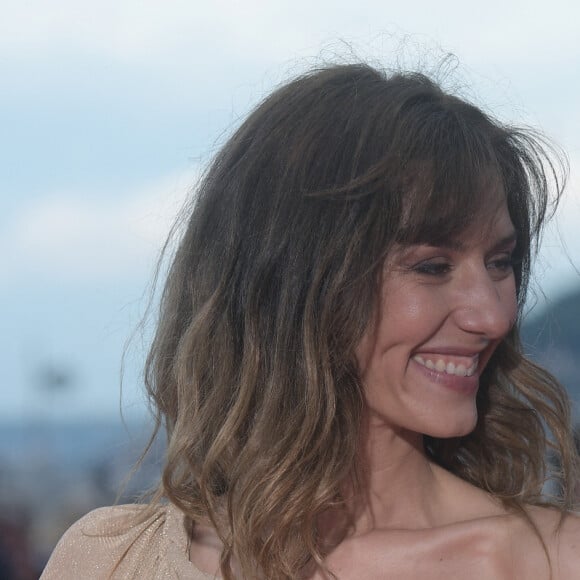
{"points": [[561, 533]]}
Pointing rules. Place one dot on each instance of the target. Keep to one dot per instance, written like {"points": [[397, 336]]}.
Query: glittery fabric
{"points": [[109, 544]]}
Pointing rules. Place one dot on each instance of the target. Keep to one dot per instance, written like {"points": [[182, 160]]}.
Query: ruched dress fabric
{"points": [[109, 543]]}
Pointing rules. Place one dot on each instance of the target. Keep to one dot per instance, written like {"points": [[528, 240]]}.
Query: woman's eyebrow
{"points": [[506, 241], [458, 245]]}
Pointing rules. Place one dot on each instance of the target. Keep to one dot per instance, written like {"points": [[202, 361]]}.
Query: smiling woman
{"points": [[337, 361], [441, 314]]}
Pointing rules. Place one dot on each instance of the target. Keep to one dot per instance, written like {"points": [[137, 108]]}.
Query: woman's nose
{"points": [[487, 307]]}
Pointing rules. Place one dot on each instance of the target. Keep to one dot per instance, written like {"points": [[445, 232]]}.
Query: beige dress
{"points": [[107, 543]]}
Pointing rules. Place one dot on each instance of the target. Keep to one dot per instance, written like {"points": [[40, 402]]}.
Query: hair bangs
{"points": [[441, 211], [451, 179]]}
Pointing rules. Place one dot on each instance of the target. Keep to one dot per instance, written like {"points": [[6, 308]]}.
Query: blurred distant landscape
{"points": [[52, 473], [552, 338]]}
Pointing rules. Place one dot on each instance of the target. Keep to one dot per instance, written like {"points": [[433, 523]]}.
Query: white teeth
{"points": [[449, 368]]}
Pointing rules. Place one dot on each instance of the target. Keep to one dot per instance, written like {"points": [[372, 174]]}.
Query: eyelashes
{"points": [[433, 268], [503, 264], [439, 267]]}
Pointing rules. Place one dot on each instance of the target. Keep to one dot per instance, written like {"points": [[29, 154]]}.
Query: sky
{"points": [[109, 110]]}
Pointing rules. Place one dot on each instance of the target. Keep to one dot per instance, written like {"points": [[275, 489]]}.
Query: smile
{"points": [[465, 367]]}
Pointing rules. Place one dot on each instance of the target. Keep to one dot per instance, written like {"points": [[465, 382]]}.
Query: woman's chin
{"points": [[451, 429]]}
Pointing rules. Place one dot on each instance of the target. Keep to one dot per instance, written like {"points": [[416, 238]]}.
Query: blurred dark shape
{"points": [[16, 561], [52, 377]]}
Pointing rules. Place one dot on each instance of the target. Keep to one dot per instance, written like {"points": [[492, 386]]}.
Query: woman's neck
{"points": [[400, 485]]}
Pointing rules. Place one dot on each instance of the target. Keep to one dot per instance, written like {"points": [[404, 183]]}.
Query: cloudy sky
{"points": [[109, 109]]}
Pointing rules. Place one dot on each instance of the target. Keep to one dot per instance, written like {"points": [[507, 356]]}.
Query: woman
{"points": [[337, 360]]}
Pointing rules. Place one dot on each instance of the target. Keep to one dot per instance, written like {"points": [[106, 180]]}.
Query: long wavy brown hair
{"points": [[252, 369]]}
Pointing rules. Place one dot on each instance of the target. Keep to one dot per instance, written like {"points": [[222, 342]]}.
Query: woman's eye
{"points": [[502, 263], [433, 268]]}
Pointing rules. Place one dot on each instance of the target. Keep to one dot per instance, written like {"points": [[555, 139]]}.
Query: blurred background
{"points": [[108, 112]]}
